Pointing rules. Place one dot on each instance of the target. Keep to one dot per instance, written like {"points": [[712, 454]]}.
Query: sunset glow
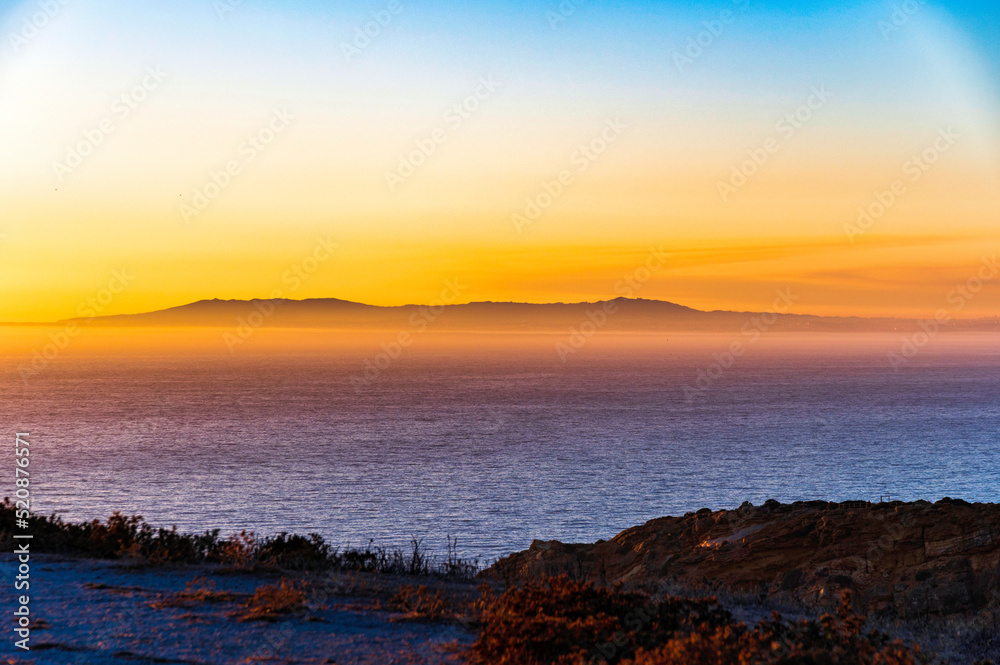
{"points": [[537, 155]]}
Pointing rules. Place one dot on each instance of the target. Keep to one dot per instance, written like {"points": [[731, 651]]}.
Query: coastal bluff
{"points": [[909, 559]]}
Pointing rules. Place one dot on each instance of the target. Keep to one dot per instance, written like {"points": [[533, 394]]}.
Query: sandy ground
{"points": [[98, 613]]}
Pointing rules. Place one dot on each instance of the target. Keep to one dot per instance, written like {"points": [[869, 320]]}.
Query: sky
{"points": [[159, 153]]}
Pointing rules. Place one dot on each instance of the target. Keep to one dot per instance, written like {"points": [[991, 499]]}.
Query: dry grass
{"points": [[273, 602], [196, 592], [420, 604]]}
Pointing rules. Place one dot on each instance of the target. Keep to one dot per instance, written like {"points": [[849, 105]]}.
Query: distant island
{"points": [[618, 315]]}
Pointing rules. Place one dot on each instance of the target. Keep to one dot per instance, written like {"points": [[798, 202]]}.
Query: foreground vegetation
{"points": [[563, 622], [555, 621], [124, 537]]}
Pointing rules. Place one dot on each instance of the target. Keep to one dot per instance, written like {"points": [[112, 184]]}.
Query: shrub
{"points": [[295, 552], [559, 620], [131, 537], [562, 622], [239, 550], [273, 602]]}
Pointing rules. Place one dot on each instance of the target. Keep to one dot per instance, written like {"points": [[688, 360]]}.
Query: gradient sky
{"points": [[657, 185]]}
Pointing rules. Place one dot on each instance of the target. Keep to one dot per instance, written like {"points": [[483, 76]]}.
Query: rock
{"points": [[911, 559]]}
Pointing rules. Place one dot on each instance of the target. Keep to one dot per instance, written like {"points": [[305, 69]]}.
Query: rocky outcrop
{"points": [[911, 559]]}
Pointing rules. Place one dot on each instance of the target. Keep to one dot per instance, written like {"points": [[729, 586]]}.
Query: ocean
{"points": [[494, 439]]}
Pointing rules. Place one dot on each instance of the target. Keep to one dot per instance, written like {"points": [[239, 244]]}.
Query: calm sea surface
{"points": [[499, 443]]}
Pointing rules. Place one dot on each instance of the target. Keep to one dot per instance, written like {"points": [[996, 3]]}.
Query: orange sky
{"points": [[297, 151]]}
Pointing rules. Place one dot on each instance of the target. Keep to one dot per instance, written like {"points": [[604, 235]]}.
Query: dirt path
{"points": [[102, 613]]}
